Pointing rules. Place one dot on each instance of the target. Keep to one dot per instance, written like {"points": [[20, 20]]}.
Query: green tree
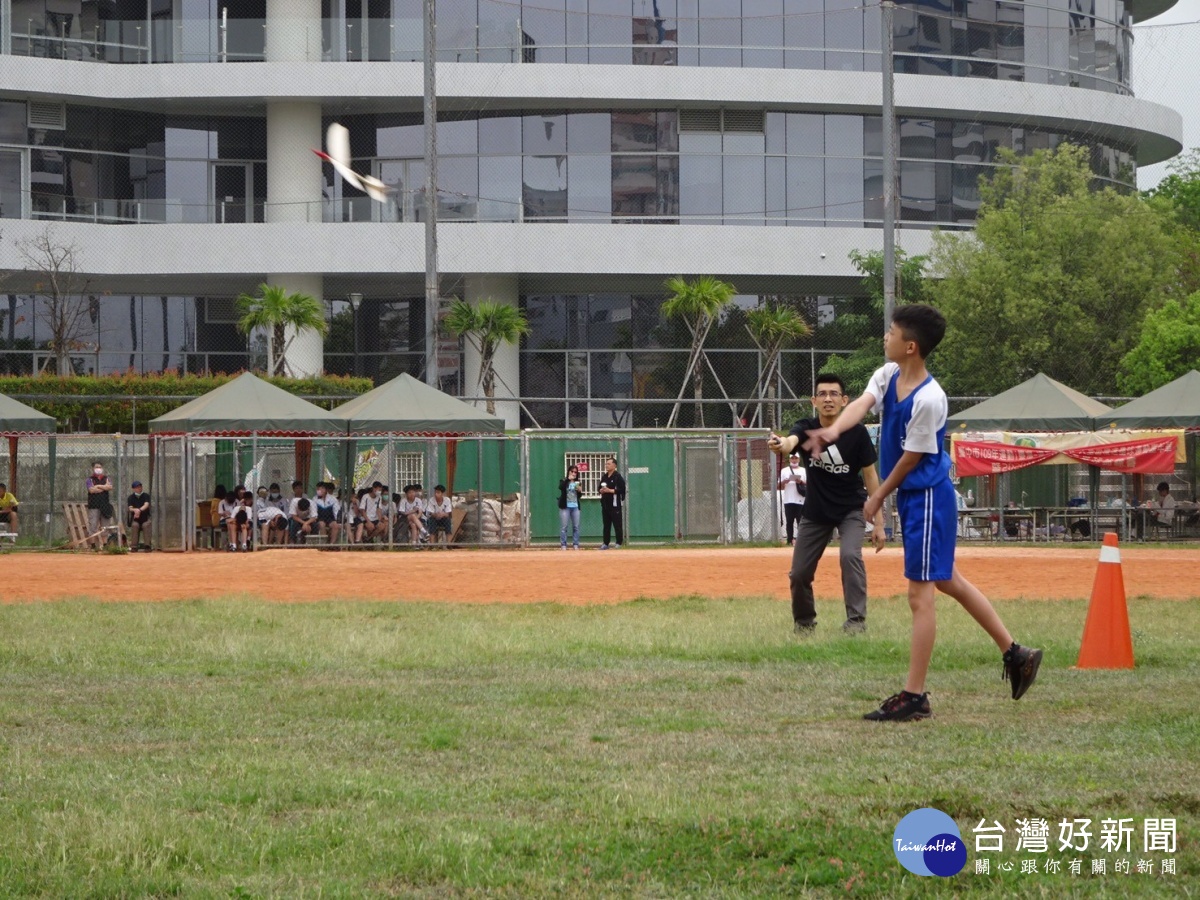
{"points": [[1168, 346], [1056, 277], [486, 325], [274, 310], [1181, 189], [912, 286], [699, 305], [773, 324]]}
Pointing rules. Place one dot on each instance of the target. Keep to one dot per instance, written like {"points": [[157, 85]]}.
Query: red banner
{"points": [[1154, 456], [987, 458]]}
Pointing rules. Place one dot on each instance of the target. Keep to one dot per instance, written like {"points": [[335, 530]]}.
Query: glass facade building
{"points": [[587, 149]]}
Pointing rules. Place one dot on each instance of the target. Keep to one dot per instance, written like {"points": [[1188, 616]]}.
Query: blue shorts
{"points": [[928, 524]]}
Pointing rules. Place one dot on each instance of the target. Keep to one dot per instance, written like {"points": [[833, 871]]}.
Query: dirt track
{"points": [[539, 575]]}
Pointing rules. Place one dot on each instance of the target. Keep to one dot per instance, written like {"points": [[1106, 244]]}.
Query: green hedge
{"points": [[117, 415]]}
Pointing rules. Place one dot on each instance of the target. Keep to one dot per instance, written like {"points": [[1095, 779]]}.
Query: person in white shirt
{"points": [[328, 511], [271, 519], [372, 526], [410, 511], [1163, 509], [439, 513], [793, 482], [227, 511]]}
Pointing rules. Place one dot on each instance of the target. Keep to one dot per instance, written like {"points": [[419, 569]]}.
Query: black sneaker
{"points": [[854, 626], [805, 630], [902, 707], [1021, 668]]}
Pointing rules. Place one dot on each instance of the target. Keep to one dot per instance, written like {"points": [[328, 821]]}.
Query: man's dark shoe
{"points": [[1021, 668], [805, 630], [854, 626], [902, 707]]}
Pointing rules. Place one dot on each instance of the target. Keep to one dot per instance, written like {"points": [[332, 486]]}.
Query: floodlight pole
{"points": [[355, 300], [432, 294], [888, 8]]}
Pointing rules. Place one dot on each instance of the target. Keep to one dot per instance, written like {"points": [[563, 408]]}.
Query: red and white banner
{"points": [[1148, 457], [987, 458]]}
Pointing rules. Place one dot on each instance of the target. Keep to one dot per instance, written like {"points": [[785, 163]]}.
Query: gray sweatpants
{"points": [[811, 540]]}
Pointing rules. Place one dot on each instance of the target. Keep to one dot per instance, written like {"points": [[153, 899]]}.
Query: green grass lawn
{"points": [[658, 748]]}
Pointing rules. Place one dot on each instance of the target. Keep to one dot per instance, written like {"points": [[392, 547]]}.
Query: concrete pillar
{"points": [[293, 31], [502, 288]]}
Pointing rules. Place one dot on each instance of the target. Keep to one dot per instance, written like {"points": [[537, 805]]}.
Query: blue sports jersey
{"points": [[918, 423]]}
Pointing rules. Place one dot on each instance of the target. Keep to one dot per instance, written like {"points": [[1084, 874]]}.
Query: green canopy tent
{"points": [[1039, 404], [18, 420], [1174, 405], [408, 406]]}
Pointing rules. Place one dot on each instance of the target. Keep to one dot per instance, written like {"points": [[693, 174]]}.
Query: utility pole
{"points": [[888, 8], [432, 293]]}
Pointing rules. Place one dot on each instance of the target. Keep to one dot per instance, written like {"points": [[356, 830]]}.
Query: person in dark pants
{"points": [[839, 479], [793, 483], [137, 517], [612, 502]]}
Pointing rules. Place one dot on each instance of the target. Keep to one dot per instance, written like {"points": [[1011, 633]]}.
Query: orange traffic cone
{"points": [[1107, 643]]}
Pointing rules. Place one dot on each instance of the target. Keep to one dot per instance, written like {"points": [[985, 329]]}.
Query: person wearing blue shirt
{"points": [[570, 489]]}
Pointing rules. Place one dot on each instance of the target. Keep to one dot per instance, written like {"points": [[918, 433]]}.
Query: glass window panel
{"points": [[12, 123], [668, 131], [456, 137], [700, 186], [873, 190], [762, 33], [544, 134], [776, 189], [873, 136], [918, 192], [544, 188], [500, 135], [917, 138], [590, 188], [577, 31], [589, 132], [805, 134], [397, 141], [655, 33], [634, 131], [806, 190], [968, 142], [458, 187], [547, 315], [844, 191], [843, 135], [499, 31], [744, 189], [456, 31], [634, 186], [965, 197], [11, 199], [776, 129], [610, 32], [843, 35], [544, 31], [804, 34], [720, 33], [668, 188], [499, 189]]}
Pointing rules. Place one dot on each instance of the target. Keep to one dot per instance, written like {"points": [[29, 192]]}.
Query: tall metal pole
{"points": [[889, 165], [432, 294]]}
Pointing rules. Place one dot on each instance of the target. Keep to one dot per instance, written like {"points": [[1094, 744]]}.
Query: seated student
{"points": [[358, 514], [369, 505], [137, 516], [1162, 508], [243, 519], [387, 508], [272, 521], [8, 509], [303, 521], [439, 513], [409, 512], [328, 512], [226, 511]]}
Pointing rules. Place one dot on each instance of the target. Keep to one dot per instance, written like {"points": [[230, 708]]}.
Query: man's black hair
{"points": [[829, 378], [440, 487], [1162, 486], [922, 324], [297, 484]]}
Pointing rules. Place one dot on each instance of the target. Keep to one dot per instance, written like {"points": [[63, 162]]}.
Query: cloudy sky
{"points": [[1166, 58]]}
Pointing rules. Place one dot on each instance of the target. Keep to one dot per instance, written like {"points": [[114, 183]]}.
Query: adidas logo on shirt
{"points": [[830, 460]]}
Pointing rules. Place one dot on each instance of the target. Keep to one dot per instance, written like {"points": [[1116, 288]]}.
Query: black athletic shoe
{"points": [[902, 707], [854, 626], [1021, 668], [805, 630]]}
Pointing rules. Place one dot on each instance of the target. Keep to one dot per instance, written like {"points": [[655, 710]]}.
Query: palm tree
{"points": [[486, 325], [274, 310], [772, 325], [699, 303]]}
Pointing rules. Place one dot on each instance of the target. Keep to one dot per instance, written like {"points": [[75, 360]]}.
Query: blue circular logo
{"points": [[927, 842]]}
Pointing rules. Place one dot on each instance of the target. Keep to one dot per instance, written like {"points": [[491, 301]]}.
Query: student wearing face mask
{"points": [[99, 503]]}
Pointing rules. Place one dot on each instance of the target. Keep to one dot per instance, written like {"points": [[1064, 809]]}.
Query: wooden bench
{"points": [[10, 536], [78, 531]]}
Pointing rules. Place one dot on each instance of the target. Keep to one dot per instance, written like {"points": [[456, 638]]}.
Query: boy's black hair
{"points": [[3, 486], [303, 504], [297, 484], [1162, 486], [274, 485], [376, 484], [921, 323], [440, 487], [829, 378], [219, 492]]}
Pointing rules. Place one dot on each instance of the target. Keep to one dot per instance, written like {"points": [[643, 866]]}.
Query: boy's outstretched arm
{"points": [[820, 438], [907, 462]]}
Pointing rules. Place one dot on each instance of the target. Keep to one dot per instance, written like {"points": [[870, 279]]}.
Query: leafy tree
{"points": [[486, 325], [1168, 346], [1181, 189], [67, 311], [1056, 277], [912, 286], [274, 310], [699, 305], [773, 324]]}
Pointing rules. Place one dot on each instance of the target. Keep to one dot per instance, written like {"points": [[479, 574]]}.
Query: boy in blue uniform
{"points": [[915, 466]]}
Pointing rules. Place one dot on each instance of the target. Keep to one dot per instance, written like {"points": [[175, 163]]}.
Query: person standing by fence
{"points": [[570, 490], [99, 503], [793, 481], [612, 503]]}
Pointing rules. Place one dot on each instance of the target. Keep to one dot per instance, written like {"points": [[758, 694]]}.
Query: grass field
{"points": [[688, 747]]}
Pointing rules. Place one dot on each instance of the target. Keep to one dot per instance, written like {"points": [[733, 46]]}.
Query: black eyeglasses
{"points": [[832, 395]]}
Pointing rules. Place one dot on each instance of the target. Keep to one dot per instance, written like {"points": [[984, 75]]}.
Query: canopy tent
{"points": [[406, 405], [1174, 405], [248, 405], [17, 419], [1039, 404]]}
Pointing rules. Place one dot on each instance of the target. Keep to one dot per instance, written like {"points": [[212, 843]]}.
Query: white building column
{"points": [[293, 170], [507, 361]]}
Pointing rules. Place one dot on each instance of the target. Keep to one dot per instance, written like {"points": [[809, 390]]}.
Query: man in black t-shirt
{"points": [[839, 480], [137, 516]]}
